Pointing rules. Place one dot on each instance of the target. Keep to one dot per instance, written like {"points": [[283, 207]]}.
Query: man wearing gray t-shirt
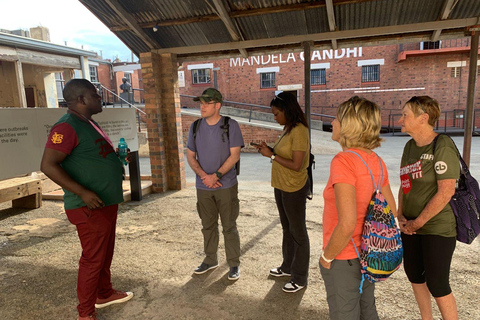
{"points": [[213, 149]]}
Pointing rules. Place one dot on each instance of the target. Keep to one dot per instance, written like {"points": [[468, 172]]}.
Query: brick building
{"points": [[388, 75]]}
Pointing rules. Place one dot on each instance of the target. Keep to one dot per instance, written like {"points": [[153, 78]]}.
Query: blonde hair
{"points": [[360, 123], [425, 104]]}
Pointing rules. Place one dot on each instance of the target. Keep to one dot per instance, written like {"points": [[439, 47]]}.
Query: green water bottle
{"points": [[123, 151]]}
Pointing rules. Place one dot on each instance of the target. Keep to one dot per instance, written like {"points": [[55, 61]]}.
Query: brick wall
{"points": [[398, 78], [162, 109]]}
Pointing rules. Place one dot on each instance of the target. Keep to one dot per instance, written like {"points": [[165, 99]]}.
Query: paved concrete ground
{"points": [[255, 169], [159, 242]]}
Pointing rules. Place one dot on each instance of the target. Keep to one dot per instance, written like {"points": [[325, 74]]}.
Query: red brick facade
{"points": [[406, 71], [163, 117]]}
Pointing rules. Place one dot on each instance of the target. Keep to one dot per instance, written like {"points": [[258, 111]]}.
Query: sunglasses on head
{"points": [[416, 100]]}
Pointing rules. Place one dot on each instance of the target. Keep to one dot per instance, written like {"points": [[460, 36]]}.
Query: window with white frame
{"points": [[200, 76], [267, 80], [371, 73], [93, 74], [317, 77], [456, 68]]}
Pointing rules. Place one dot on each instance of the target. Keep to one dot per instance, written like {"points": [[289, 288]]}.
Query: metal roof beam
{"points": [[325, 45], [231, 27], [331, 21], [326, 36], [132, 23], [240, 14], [447, 8]]}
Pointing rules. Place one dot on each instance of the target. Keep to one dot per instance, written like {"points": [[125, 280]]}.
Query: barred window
{"points": [[428, 45], [456, 72], [200, 76], [317, 76], [371, 73], [60, 83], [267, 80], [93, 74]]}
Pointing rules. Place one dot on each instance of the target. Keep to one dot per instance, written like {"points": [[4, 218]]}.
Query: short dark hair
{"points": [[76, 88], [288, 104], [425, 104]]}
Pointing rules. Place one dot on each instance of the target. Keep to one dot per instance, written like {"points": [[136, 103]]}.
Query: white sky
{"points": [[67, 20]]}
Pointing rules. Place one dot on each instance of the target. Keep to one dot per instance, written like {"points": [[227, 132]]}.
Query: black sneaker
{"points": [[277, 272], [201, 269], [292, 287], [234, 273]]}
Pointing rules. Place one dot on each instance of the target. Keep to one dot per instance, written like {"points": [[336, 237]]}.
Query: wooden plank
{"points": [[32, 201], [16, 188]]}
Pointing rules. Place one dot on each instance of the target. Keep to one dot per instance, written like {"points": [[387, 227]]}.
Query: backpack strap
{"points": [[462, 162], [226, 127], [380, 178], [364, 276], [196, 126], [376, 190]]}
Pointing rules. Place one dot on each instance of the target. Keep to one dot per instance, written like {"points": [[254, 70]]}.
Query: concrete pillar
{"points": [[50, 90], [85, 67], [20, 84], [164, 124]]}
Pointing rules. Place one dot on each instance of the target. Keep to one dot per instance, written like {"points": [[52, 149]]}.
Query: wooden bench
{"points": [[25, 192]]}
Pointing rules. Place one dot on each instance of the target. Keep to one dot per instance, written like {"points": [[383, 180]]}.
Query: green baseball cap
{"points": [[210, 94]]}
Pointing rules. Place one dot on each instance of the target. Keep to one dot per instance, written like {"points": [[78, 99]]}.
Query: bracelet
{"points": [[326, 260]]}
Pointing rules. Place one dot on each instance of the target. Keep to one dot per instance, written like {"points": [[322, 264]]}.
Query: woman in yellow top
{"points": [[290, 157]]}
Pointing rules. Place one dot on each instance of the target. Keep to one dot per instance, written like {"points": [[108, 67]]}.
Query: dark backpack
{"points": [[226, 132], [465, 202], [381, 251]]}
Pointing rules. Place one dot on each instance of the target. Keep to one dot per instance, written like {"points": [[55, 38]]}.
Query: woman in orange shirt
{"points": [[346, 198]]}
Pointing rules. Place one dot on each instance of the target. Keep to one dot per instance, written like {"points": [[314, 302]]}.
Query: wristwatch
{"points": [[273, 156], [219, 174]]}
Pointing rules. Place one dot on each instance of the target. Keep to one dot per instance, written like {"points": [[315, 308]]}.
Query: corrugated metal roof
{"points": [[193, 27]]}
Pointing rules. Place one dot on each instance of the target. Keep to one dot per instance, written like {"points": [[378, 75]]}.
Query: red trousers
{"points": [[96, 230]]}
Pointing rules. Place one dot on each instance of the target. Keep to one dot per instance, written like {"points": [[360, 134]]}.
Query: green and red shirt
{"points": [[91, 160]]}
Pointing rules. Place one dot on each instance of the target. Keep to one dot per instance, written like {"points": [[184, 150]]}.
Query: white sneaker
{"points": [[292, 287]]}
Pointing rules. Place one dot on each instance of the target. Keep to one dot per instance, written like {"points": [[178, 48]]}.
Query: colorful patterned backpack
{"points": [[381, 251]]}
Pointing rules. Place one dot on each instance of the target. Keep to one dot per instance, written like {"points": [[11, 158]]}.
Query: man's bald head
{"points": [[76, 88]]}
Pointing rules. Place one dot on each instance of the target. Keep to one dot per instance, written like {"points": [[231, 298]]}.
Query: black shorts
{"points": [[427, 258]]}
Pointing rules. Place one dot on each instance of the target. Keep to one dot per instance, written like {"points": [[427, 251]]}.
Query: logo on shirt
{"points": [[427, 156], [57, 138], [415, 169], [406, 183], [440, 167], [104, 146]]}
